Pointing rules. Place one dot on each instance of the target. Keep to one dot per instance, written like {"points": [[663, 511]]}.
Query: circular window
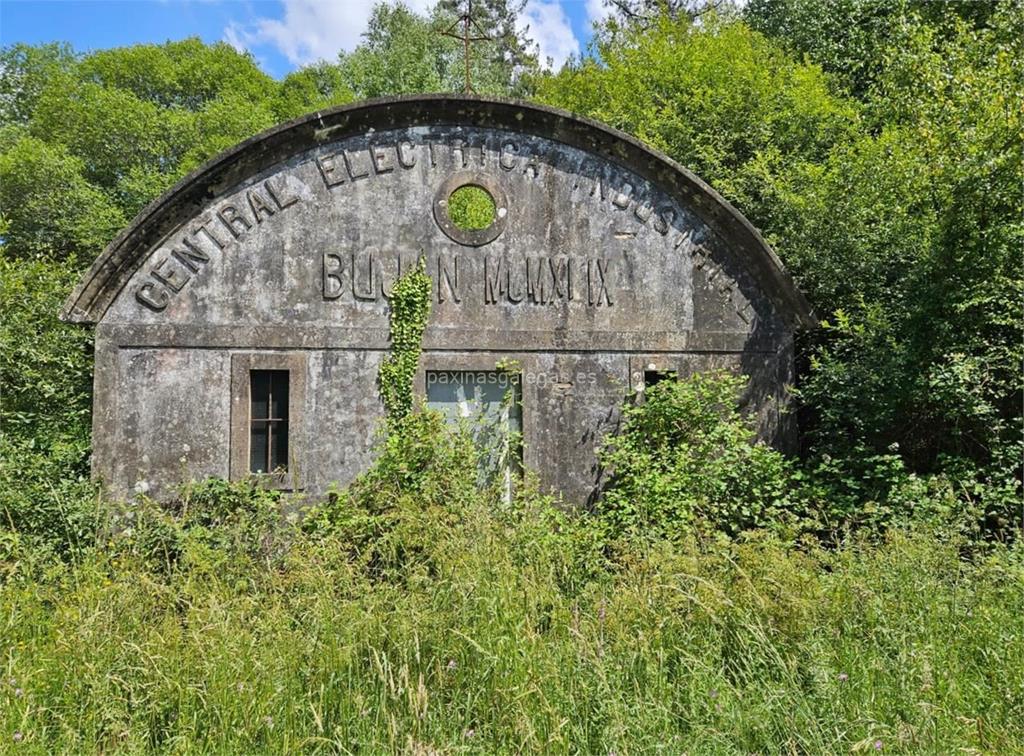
{"points": [[471, 208]]}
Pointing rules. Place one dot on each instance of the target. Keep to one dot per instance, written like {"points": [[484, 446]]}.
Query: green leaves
{"points": [[51, 209], [406, 53], [685, 454], [900, 207], [410, 308]]}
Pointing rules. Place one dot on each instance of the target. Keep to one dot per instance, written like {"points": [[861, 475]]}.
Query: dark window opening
{"points": [[654, 377], [268, 421]]}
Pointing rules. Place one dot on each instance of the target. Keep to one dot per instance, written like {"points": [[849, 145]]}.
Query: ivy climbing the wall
{"points": [[410, 308]]}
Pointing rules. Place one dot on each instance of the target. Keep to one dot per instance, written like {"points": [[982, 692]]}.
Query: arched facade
{"points": [[262, 279]]}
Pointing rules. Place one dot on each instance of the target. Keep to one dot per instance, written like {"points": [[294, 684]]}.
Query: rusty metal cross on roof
{"points": [[471, 32]]}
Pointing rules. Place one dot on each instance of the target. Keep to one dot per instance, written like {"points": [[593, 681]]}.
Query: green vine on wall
{"points": [[410, 308]]}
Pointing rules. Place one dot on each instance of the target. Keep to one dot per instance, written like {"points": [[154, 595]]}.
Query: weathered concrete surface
{"points": [[606, 259]]}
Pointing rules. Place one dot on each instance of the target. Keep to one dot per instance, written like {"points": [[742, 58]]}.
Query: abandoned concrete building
{"points": [[241, 318]]}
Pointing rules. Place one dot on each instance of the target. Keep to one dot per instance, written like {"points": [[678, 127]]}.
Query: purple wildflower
{"points": [[452, 665], [470, 732], [18, 692], [878, 745], [18, 737], [843, 677]]}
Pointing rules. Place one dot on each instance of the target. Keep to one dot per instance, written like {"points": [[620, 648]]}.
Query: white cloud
{"points": [[550, 29], [598, 10], [310, 30]]}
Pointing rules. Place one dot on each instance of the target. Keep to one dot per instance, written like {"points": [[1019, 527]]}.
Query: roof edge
{"points": [[110, 272]]}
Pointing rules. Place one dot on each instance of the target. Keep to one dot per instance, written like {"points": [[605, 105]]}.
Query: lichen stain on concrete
{"points": [[609, 259]]}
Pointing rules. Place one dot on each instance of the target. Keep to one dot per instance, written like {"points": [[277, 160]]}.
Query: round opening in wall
{"points": [[471, 208]]}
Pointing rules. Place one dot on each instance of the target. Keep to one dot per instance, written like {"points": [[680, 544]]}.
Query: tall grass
{"points": [[468, 629]]}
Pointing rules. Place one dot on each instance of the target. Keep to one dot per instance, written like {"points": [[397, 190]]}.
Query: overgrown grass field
{"points": [[467, 628]]}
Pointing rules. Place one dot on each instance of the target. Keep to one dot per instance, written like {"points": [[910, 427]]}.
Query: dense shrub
{"points": [[686, 453]]}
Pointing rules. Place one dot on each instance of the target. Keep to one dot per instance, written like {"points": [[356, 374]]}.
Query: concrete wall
{"points": [[593, 273]]}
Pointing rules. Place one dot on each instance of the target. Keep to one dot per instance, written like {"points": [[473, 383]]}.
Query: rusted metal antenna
{"points": [[471, 32]]}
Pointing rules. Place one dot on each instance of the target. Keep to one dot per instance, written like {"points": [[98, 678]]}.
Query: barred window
{"points": [[268, 421]]}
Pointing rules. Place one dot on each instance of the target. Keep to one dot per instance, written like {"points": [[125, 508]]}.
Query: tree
{"points": [[404, 52], [850, 38], [719, 98], [899, 212]]}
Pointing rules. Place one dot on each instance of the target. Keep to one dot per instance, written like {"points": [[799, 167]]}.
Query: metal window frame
{"points": [[273, 423], [242, 365]]}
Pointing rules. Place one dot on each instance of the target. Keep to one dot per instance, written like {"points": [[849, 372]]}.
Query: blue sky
{"points": [[281, 34]]}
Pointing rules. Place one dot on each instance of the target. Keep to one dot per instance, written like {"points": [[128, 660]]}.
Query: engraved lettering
{"points": [[507, 159], [258, 205], [493, 287], [597, 275], [686, 237], [201, 228], [379, 159], [664, 219], [746, 312], [515, 293], [348, 167], [368, 293], [621, 198], [536, 279], [173, 278], [152, 296], [385, 285], [278, 195], [332, 270], [233, 220], [457, 150], [328, 170], [448, 274], [561, 276], [191, 257], [643, 212], [532, 166], [406, 154]]}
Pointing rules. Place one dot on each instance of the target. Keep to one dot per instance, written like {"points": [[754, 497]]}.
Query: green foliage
{"points": [[851, 38], [748, 647], [51, 210], [722, 100], [471, 208], [410, 308], [118, 127], [899, 213], [404, 52], [46, 498], [883, 163], [394, 516], [314, 87], [686, 453], [214, 527], [25, 71]]}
